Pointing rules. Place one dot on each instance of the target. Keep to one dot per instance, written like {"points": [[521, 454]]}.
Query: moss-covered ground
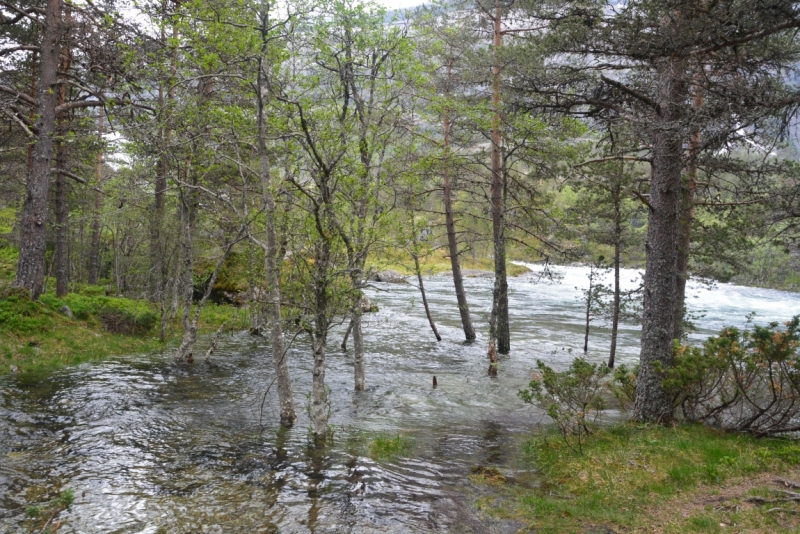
{"points": [[35, 336]]}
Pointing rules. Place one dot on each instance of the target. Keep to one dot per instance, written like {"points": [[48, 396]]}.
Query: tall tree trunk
{"points": [[319, 393], [158, 267], [617, 253], [188, 214], [658, 312], [33, 231], [62, 210], [686, 220], [499, 319], [94, 251], [452, 241], [271, 258]]}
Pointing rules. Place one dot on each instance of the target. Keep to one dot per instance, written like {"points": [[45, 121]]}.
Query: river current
{"points": [[149, 447]]}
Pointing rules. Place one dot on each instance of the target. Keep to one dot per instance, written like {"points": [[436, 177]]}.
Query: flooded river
{"points": [[149, 447]]}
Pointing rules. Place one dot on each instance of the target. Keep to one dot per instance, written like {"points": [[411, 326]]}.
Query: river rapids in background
{"points": [[150, 447]]}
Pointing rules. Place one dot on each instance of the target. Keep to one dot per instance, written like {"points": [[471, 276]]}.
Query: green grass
{"points": [[436, 263], [626, 471], [385, 447]]}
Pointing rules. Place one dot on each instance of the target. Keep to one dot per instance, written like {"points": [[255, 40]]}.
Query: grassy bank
{"points": [[654, 479], [36, 336], [435, 263]]}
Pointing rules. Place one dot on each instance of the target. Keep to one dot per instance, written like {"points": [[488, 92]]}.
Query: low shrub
{"points": [[739, 380], [572, 398]]}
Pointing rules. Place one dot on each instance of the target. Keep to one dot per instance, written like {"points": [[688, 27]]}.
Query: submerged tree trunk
{"points": [[499, 321], [452, 243], [319, 393], [418, 270], [359, 373], [658, 312], [272, 266], [33, 229]]}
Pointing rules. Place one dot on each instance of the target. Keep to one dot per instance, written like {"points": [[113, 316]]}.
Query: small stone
{"points": [[66, 311], [14, 369]]}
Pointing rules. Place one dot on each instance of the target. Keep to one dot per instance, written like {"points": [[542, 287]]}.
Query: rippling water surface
{"points": [[150, 447]]}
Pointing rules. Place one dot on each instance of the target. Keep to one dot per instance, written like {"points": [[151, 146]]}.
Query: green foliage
{"points": [[623, 385], [50, 510], [738, 380], [571, 398]]}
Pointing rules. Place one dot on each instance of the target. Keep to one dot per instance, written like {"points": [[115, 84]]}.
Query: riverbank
{"points": [[640, 478], [438, 263], [41, 336]]}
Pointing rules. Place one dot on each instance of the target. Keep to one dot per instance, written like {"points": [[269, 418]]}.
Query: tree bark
{"points": [[33, 236], [499, 320], [62, 209], [685, 224], [658, 313], [359, 373], [94, 251], [452, 242], [425, 298], [617, 193], [271, 261], [319, 393]]}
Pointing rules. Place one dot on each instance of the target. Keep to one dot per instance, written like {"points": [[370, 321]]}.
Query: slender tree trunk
{"points": [[658, 313], [359, 373], [499, 320], [452, 242], [347, 334], [271, 259], [158, 267], [617, 252], [33, 231], [62, 210], [685, 224], [94, 251], [187, 220], [418, 270], [319, 393], [588, 317]]}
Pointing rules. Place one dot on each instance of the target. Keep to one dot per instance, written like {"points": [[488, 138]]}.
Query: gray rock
{"points": [[390, 277], [14, 369], [66, 311], [367, 306], [471, 273]]}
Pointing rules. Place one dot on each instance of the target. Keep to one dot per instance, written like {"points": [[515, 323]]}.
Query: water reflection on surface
{"points": [[149, 447]]}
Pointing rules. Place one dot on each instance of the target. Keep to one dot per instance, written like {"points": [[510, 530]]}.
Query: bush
{"points": [[571, 398], [743, 381]]}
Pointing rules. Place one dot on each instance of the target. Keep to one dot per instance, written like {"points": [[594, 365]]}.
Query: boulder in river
{"points": [[390, 277], [367, 306]]}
